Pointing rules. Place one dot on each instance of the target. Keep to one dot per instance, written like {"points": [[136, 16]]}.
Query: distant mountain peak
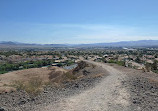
{"points": [[112, 44]]}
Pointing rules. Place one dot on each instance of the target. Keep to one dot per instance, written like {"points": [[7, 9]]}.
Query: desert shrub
{"points": [[81, 65], [70, 76], [54, 74], [111, 61], [32, 87], [154, 65], [121, 63], [93, 66], [48, 83], [143, 69], [147, 67], [19, 85], [85, 72]]}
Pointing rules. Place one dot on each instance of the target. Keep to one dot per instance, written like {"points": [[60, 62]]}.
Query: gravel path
{"points": [[108, 95]]}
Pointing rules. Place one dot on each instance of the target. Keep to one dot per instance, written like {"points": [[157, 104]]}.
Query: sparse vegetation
{"points": [[93, 66], [148, 67], [6, 67], [32, 87], [121, 63], [70, 76]]}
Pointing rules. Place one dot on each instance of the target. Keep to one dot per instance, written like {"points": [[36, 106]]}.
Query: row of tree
{"points": [[31, 64], [24, 65], [152, 67]]}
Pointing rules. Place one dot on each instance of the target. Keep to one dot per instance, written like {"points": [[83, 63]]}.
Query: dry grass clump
{"points": [[59, 77], [19, 85], [54, 74], [93, 66], [33, 87], [70, 76]]}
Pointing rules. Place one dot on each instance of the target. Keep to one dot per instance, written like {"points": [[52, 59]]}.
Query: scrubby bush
{"points": [[19, 85], [121, 63], [32, 87], [70, 76]]}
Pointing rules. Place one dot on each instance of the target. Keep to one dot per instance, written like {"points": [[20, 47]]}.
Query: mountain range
{"points": [[140, 43]]}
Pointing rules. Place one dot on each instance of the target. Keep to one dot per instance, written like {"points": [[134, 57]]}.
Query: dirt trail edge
{"points": [[108, 95]]}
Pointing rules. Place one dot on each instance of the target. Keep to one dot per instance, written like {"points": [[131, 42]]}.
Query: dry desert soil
{"points": [[96, 87]]}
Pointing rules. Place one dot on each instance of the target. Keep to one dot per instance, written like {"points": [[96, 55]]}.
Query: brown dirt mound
{"points": [[7, 80]]}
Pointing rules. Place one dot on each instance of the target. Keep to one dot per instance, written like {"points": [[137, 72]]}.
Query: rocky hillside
{"points": [[59, 83]]}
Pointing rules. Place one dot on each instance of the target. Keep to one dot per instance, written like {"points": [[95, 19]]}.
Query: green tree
{"points": [[154, 65], [138, 60]]}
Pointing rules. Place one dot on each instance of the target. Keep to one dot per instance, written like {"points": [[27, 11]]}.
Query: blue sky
{"points": [[78, 21]]}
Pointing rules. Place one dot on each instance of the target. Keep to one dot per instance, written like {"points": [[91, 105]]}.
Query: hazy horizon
{"points": [[77, 43], [78, 22]]}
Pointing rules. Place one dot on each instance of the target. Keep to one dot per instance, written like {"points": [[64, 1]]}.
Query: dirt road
{"points": [[108, 95]]}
